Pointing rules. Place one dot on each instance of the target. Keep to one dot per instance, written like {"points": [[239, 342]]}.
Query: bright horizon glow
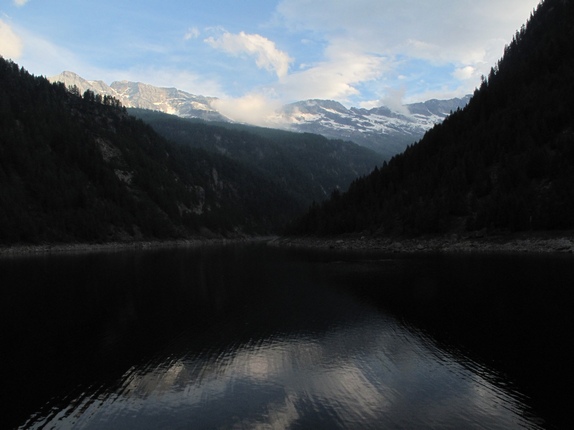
{"points": [[255, 55]]}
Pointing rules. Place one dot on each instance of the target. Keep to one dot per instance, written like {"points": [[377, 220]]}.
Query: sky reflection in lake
{"points": [[366, 373], [248, 337]]}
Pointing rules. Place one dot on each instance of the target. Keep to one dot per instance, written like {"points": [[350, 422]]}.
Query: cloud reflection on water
{"points": [[369, 373]]}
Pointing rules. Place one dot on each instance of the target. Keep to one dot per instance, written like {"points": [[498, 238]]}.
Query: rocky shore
{"points": [[23, 249], [547, 242]]}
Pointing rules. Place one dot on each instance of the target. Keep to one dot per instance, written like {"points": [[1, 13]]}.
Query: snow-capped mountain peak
{"points": [[382, 129], [146, 96]]}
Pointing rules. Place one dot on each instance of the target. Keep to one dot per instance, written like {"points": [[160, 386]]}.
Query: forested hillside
{"points": [[78, 168], [503, 163], [308, 165]]}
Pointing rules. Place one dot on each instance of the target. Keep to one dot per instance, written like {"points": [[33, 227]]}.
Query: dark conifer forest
{"points": [[80, 168], [76, 167], [308, 165], [503, 163]]}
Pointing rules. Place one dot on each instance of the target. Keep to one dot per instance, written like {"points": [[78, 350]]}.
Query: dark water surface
{"points": [[252, 336]]}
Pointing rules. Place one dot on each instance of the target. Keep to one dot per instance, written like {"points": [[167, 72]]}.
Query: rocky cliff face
{"points": [[145, 96]]}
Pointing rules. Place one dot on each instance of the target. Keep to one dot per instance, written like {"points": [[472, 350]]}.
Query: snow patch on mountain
{"points": [[145, 96], [382, 129]]}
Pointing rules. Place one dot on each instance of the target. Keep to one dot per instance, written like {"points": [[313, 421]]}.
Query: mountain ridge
{"points": [[140, 95], [381, 129], [504, 163], [79, 169]]}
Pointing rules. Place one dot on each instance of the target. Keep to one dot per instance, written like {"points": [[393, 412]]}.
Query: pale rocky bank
{"points": [[539, 242], [31, 249], [545, 242]]}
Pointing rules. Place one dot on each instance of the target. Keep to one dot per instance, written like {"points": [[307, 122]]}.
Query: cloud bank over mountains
{"points": [[254, 56]]}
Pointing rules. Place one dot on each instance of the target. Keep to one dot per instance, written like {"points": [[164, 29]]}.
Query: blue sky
{"points": [[257, 54]]}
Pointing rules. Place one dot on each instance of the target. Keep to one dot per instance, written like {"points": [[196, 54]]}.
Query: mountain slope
{"points": [[308, 165], [79, 168], [505, 162], [145, 96], [381, 129]]}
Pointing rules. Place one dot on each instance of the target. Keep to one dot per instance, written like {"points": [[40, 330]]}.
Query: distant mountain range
{"points": [[382, 129]]}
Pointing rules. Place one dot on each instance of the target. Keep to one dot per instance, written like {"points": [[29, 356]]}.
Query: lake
{"points": [[256, 337]]}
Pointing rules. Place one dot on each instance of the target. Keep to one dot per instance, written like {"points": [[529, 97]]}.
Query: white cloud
{"points": [[169, 77], [334, 78], [20, 2], [253, 108], [467, 35], [464, 73], [10, 43], [394, 99], [192, 33], [389, 24], [42, 57], [264, 50]]}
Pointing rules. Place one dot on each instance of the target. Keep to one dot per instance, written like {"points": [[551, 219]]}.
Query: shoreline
{"points": [[539, 242], [53, 248]]}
